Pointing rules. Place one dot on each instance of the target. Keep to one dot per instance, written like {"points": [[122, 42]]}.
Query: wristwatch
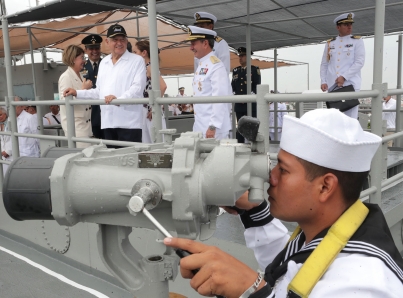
{"points": [[211, 127]]}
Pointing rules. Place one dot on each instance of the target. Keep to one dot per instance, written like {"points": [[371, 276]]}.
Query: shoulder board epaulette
{"points": [[214, 59], [217, 38], [356, 36], [329, 40]]}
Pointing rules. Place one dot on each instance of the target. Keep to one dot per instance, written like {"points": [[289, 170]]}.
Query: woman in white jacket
{"points": [[73, 57]]}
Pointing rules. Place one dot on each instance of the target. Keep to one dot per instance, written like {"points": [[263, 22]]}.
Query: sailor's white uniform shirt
{"points": [[221, 51], [390, 117], [125, 79], [280, 115], [211, 79], [51, 120], [349, 275], [347, 57], [27, 123]]}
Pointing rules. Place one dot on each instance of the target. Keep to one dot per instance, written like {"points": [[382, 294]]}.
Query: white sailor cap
{"points": [[329, 138], [200, 33], [204, 17], [344, 18]]}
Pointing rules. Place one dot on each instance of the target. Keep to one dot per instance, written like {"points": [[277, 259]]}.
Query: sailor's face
{"points": [[291, 195], [117, 44], [198, 48], [93, 53], [54, 109], [345, 29]]}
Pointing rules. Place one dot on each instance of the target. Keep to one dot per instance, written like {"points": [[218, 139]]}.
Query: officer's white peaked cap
{"points": [[329, 138], [204, 17], [195, 32], [344, 18]]}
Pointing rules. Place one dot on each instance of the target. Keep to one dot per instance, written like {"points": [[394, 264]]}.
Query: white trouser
{"points": [[353, 112], [273, 137]]}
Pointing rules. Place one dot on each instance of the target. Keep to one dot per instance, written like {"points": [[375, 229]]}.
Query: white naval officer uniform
{"points": [[390, 117], [221, 51], [280, 115], [211, 79], [346, 58]]}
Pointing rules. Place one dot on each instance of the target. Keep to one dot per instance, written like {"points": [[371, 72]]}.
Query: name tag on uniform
{"points": [[203, 71], [235, 77]]}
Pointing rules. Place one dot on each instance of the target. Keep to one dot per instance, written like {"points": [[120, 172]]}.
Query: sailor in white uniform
{"points": [[342, 247], [27, 123], [221, 50], [343, 59], [210, 79], [281, 108]]}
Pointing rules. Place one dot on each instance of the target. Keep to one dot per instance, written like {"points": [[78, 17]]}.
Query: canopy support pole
{"points": [[275, 106], [155, 73], [376, 174], [39, 108], [248, 61], [399, 86], [10, 94]]}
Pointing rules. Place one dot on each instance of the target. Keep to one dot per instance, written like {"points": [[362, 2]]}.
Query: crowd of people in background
{"points": [[126, 73]]}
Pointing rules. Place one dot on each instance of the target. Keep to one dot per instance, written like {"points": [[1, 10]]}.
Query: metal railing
{"points": [[262, 98]]}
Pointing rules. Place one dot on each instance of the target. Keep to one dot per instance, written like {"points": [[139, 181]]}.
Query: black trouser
{"points": [[122, 134], [97, 132], [239, 115]]}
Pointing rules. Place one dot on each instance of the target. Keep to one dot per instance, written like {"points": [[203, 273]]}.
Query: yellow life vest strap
{"points": [[328, 249]]}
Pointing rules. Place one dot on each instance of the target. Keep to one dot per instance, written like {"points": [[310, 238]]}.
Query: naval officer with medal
{"points": [[220, 48], [210, 79], [343, 58]]}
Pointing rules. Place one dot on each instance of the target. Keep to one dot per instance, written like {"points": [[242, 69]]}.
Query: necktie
{"points": [[95, 68]]}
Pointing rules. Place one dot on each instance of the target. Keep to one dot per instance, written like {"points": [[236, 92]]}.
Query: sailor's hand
{"points": [[242, 203], [69, 91], [87, 84], [219, 273], [324, 87], [4, 153], [340, 81], [109, 98]]}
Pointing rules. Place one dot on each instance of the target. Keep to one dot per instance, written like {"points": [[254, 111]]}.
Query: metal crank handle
{"points": [[180, 252]]}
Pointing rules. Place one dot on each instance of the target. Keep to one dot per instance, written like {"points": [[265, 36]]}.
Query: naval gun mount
{"points": [[182, 185]]}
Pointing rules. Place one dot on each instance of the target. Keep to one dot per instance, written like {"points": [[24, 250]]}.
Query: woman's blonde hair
{"points": [[70, 54]]}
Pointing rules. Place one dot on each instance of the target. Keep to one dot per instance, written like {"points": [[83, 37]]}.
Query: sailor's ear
{"points": [[328, 185]]}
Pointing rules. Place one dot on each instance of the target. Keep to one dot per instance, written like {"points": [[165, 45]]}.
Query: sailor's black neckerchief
{"points": [[373, 238]]}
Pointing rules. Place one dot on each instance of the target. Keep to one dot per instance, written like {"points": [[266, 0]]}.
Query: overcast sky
{"points": [[290, 79]]}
